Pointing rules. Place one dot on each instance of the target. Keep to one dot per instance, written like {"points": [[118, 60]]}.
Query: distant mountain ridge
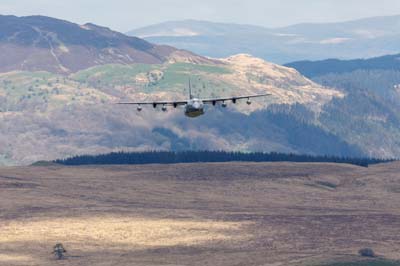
{"points": [[362, 38], [37, 43], [190, 27], [312, 69]]}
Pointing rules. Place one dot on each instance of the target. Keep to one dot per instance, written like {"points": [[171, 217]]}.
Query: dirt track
{"points": [[199, 214]]}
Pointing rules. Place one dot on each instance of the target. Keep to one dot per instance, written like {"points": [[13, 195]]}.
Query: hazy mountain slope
{"points": [[41, 43], [354, 39], [194, 28], [367, 28]]}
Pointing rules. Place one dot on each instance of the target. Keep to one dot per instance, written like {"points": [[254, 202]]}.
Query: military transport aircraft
{"points": [[194, 107]]}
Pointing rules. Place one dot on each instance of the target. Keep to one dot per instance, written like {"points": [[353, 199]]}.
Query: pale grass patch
{"points": [[120, 231], [14, 258]]}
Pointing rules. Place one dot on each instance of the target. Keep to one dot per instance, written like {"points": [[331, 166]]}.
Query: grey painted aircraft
{"points": [[194, 107]]}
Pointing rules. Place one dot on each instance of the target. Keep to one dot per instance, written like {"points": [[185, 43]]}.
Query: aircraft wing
{"points": [[156, 103], [233, 99]]}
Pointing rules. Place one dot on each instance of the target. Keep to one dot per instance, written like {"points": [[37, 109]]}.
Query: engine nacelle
{"points": [[139, 108], [224, 104], [164, 108], [248, 102]]}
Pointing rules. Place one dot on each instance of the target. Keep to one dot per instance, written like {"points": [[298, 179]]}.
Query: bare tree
{"points": [[58, 251]]}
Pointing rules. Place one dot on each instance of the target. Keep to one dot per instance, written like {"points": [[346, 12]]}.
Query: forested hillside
{"points": [[369, 113], [318, 68]]}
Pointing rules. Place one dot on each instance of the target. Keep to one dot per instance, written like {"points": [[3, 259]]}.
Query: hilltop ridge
{"points": [[37, 43]]}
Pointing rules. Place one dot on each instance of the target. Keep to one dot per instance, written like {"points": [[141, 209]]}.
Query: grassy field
{"points": [[22, 88], [370, 262], [201, 214]]}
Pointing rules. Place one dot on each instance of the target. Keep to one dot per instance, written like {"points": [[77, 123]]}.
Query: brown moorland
{"points": [[199, 214]]}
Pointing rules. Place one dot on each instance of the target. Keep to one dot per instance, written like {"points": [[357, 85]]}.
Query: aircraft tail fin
{"points": [[190, 89]]}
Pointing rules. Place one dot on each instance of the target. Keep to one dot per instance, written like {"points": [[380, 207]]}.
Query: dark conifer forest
{"points": [[170, 157]]}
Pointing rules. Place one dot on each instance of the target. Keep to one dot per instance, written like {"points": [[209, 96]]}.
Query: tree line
{"points": [[171, 157]]}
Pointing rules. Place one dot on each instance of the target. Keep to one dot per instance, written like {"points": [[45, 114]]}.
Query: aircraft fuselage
{"points": [[194, 108]]}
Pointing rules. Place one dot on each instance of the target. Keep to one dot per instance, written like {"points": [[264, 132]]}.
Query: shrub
{"points": [[367, 252]]}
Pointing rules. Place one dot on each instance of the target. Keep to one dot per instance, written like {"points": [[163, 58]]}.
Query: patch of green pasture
{"points": [[193, 68], [203, 79], [112, 74], [28, 85]]}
